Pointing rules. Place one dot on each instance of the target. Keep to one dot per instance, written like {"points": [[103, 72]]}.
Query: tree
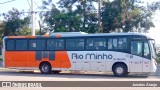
{"points": [[1, 31], [116, 16], [126, 16], [154, 6], [68, 19], [14, 22], [24, 32], [85, 10]]}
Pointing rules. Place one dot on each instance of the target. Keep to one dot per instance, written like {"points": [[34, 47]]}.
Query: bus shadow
{"points": [[70, 75]]}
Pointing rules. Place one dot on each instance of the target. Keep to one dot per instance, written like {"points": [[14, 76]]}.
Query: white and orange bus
{"points": [[120, 53]]}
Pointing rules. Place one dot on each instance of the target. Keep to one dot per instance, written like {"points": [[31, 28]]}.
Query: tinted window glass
{"points": [[96, 44], [75, 44], [32, 44], [55, 44], [146, 50], [122, 43], [21, 44], [10, 44], [36, 44], [117, 44], [136, 48], [112, 44], [40, 45]]}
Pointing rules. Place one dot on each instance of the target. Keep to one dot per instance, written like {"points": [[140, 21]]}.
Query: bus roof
{"points": [[102, 34], [68, 33], [74, 34]]}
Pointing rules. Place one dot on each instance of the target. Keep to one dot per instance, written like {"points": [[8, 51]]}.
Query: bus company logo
{"points": [[90, 56], [6, 84]]}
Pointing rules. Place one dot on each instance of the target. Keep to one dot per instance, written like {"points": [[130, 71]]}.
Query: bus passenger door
{"points": [[146, 58], [136, 60]]}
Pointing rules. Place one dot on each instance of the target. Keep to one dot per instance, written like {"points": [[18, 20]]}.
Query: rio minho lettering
{"points": [[91, 56]]}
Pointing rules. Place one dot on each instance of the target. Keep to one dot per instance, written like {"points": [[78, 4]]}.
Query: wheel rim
{"points": [[45, 68], [119, 70]]}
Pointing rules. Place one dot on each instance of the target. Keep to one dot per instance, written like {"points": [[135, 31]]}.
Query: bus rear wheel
{"points": [[120, 70], [45, 68]]}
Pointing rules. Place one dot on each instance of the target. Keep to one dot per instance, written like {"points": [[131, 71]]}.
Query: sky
{"points": [[23, 5]]}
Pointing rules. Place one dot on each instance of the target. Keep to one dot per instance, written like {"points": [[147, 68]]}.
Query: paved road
{"points": [[14, 75], [30, 76]]}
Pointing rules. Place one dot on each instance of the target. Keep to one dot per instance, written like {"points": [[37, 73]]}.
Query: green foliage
{"points": [[71, 20], [24, 31], [14, 22], [81, 15], [126, 15], [1, 31], [154, 6], [63, 22]]}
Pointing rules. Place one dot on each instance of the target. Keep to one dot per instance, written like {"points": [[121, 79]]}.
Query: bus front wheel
{"points": [[45, 68], [120, 70]]}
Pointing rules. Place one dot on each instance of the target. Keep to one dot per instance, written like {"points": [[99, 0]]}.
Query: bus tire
{"points": [[120, 70], [45, 68]]}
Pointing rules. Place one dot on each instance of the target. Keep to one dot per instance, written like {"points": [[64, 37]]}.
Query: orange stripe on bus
{"points": [[45, 36], [58, 36], [62, 59], [21, 36], [28, 59]]}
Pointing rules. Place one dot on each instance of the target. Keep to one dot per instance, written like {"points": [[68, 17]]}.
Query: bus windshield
{"points": [[153, 48]]}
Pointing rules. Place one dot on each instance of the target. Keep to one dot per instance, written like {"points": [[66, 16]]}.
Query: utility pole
{"points": [[40, 27], [33, 18], [99, 16]]}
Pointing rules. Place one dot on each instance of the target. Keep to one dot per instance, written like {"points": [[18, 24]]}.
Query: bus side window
{"points": [[75, 44], [21, 44], [112, 44], [37, 45], [90, 44], [80, 44], [55, 44], [96, 44], [32, 44], [59, 45], [41, 45], [10, 45], [122, 43]]}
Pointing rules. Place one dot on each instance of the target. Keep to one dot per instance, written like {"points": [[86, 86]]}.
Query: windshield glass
{"points": [[153, 48]]}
